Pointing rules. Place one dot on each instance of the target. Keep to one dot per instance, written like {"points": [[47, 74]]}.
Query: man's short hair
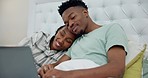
{"points": [[71, 3]]}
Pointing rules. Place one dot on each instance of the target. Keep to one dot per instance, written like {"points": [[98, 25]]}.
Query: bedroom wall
{"points": [[13, 21]]}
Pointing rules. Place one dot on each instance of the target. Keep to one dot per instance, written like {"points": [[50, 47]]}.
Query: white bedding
{"points": [[76, 64]]}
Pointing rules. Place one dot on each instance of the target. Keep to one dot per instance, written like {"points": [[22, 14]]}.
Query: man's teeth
{"points": [[74, 30]]}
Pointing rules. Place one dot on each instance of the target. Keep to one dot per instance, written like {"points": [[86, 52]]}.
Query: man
{"points": [[105, 45]]}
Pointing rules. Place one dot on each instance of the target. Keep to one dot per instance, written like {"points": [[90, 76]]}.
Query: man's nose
{"points": [[71, 24]]}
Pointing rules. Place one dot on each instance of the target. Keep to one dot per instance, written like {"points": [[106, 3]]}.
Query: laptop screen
{"points": [[17, 62]]}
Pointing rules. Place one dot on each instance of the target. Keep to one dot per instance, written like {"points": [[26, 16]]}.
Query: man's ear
{"points": [[85, 12]]}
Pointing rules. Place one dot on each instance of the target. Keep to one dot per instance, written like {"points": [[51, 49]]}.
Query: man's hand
{"points": [[54, 73], [45, 68]]}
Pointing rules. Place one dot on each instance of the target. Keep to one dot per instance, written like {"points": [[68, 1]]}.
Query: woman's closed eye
{"points": [[69, 40]]}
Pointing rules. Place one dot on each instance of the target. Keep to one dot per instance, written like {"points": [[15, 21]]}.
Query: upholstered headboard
{"points": [[132, 15]]}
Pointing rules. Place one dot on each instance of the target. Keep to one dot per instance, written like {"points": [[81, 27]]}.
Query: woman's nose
{"points": [[61, 41]]}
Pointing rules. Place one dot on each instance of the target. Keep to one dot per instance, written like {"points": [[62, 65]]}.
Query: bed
{"points": [[132, 15]]}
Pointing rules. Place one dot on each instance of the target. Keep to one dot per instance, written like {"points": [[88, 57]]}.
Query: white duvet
{"points": [[76, 64]]}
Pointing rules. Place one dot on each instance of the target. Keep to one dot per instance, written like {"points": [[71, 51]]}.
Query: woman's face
{"points": [[63, 39]]}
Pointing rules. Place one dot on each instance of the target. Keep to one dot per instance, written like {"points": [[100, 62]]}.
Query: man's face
{"points": [[76, 19]]}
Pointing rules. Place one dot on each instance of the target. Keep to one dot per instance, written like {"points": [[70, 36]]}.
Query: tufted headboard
{"points": [[132, 15]]}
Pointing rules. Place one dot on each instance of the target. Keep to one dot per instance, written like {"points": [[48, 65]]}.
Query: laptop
{"points": [[17, 62]]}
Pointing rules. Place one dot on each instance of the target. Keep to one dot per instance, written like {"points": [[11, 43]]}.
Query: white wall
{"points": [[13, 21]]}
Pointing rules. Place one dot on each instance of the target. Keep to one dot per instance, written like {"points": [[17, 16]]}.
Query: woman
{"points": [[48, 49]]}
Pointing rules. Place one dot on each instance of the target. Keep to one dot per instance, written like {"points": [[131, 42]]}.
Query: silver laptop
{"points": [[17, 62]]}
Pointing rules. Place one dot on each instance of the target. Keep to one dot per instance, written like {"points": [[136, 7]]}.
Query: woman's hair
{"points": [[71, 3], [59, 29], [52, 38]]}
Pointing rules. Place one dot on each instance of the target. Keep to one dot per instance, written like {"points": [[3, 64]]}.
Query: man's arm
{"points": [[114, 68], [45, 68]]}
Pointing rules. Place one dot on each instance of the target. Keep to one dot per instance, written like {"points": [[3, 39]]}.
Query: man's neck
{"points": [[92, 26]]}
